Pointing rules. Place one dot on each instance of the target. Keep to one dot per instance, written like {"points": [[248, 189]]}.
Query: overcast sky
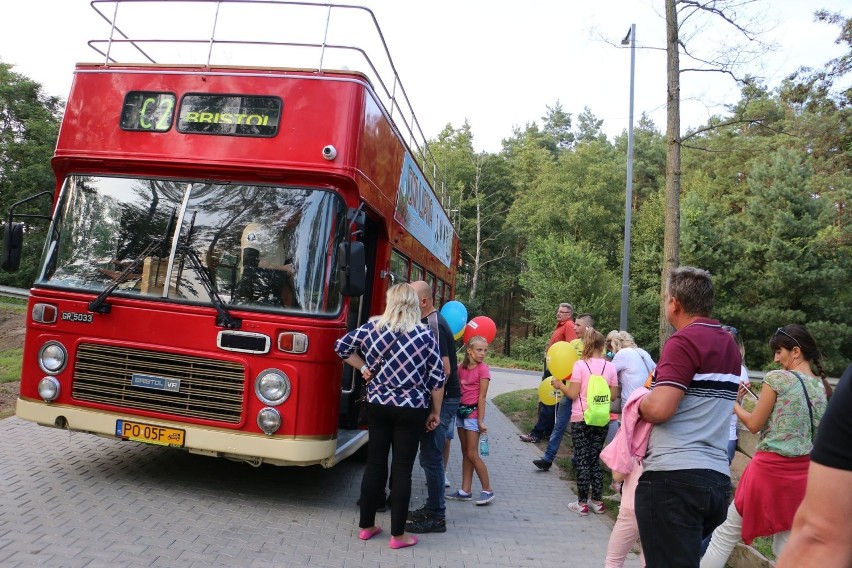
{"points": [[494, 62]]}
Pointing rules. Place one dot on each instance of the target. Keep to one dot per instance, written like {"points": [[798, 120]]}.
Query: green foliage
{"points": [[497, 360], [531, 349], [29, 125], [564, 271]]}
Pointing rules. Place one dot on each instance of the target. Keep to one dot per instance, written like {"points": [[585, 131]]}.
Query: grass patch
{"points": [[14, 304], [521, 407], [10, 365], [763, 544], [497, 360]]}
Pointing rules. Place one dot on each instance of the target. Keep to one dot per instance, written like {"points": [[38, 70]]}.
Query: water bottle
{"points": [[483, 445]]}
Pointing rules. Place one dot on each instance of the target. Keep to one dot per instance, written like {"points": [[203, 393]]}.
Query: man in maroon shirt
{"points": [[564, 331]]}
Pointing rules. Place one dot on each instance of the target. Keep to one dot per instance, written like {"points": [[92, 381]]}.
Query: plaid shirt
{"points": [[412, 368]]}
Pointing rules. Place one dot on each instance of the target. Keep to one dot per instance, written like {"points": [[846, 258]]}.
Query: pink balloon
{"points": [[482, 326]]}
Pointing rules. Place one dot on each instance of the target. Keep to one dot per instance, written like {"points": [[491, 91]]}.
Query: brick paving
{"points": [[83, 501]]}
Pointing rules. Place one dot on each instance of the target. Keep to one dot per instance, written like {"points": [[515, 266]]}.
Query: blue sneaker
{"points": [[459, 496], [485, 498]]}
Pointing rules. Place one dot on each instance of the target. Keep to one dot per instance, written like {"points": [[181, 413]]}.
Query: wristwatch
{"points": [[364, 367]]}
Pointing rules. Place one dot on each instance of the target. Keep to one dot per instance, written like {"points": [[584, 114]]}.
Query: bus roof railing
{"points": [[226, 46]]}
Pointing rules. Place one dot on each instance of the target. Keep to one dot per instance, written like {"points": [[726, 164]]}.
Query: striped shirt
{"points": [[703, 360], [411, 370]]}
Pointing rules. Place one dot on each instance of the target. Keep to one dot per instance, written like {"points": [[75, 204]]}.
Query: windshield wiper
{"points": [[225, 318], [99, 305]]}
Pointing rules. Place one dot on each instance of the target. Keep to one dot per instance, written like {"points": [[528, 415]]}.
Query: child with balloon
{"points": [[475, 377], [588, 440]]}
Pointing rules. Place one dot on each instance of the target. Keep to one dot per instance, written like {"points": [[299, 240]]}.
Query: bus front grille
{"points": [[209, 389]]}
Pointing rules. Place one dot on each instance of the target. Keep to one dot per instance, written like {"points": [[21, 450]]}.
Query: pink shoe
{"points": [[400, 543], [367, 534]]}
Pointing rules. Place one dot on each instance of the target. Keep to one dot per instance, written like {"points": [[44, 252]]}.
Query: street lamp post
{"points": [[630, 39]]}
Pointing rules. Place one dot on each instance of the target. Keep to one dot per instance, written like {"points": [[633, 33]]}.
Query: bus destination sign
{"points": [[230, 115], [223, 115]]}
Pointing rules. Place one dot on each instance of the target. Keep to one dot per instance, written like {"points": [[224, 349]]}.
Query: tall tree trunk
{"points": [[671, 238], [477, 259], [507, 341]]}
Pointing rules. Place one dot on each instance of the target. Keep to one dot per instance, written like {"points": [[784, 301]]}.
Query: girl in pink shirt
{"points": [[474, 377], [588, 440]]}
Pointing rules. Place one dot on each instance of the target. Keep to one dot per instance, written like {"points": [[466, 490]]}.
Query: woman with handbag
{"points": [[402, 367], [632, 364], [787, 414]]}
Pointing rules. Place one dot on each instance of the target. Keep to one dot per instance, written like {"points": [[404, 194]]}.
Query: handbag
{"points": [[363, 404]]}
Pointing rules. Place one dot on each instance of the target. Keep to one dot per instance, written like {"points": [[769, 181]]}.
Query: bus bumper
{"points": [[254, 449]]}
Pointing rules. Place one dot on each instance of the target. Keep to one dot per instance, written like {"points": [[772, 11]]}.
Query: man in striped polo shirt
{"points": [[684, 491]]}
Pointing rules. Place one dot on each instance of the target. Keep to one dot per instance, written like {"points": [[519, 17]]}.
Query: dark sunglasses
{"points": [[782, 332]]}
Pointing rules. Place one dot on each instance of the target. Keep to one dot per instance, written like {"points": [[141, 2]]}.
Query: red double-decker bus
{"points": [[215, 228]]}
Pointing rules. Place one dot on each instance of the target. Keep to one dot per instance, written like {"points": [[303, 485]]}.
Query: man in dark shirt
{"points": [[431, 517]]}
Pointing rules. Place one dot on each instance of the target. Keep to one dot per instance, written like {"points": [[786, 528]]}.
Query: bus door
{"points": [[360, 310]]}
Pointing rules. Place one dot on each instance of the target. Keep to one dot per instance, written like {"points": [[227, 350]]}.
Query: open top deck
{"points": [[264, 36]]}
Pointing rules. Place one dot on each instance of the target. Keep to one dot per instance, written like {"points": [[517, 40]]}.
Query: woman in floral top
{"points": [[787, 414]]}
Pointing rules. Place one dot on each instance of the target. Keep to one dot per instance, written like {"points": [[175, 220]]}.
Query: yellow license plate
{"points": [[138, 432]]}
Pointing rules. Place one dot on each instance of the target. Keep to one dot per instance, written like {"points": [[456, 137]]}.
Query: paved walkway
{"points": [[84, 501], [528, 524]]}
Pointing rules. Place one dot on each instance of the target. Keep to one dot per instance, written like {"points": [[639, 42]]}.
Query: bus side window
{"points": [[399, 267]]}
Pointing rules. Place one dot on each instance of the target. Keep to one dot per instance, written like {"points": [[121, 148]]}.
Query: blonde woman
{"points": [[398, 358], [632, 363]]}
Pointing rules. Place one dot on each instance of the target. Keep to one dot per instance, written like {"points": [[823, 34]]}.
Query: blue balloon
{"points": [[456, 315]]}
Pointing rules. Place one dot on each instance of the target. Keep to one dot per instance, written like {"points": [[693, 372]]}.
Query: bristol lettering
{"points": [[226, 118]]}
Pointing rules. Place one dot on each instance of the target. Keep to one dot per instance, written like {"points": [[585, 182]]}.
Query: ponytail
{"points": [[825, 383]]}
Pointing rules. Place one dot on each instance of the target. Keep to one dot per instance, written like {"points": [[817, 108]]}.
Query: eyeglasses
{"points": [[782, 332], [562, 312]]}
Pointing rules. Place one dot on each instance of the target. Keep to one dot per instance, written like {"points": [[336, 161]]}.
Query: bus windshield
{"points": [[261, 247]]}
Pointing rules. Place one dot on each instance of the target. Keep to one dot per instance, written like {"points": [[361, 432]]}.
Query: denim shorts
{"points": [[471, 424]]}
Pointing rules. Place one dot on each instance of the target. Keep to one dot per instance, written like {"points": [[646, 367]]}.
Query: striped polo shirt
{"points": [[702, 360]]}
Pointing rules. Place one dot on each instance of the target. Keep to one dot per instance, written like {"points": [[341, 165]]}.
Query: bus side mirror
{"points": [[13, 240], [353, 268]]}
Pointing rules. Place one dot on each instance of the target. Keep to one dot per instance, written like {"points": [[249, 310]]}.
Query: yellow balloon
{"points": [[561, 358], [460, 334], [577, 344], [546, 392]]}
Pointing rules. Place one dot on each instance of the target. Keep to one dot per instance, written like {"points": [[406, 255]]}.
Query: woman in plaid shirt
{"points": [[399, 359]]}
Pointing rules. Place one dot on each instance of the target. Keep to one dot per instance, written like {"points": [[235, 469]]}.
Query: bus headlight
{"points": [[272, 386], [48, 389], [52, 357], [268, 420]]}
